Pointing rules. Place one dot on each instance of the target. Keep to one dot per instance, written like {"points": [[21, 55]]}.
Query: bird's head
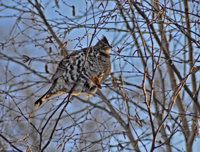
{"points": [[103, 45]]}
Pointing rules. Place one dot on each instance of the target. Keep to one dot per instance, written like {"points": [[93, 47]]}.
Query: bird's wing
{"points": [[63, 65], [61, 68]]}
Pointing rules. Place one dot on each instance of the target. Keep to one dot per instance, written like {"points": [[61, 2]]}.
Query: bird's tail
{"points": [[41, 100]]}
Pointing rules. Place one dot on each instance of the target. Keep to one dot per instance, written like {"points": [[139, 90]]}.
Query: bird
{"points": [[81, 72]]}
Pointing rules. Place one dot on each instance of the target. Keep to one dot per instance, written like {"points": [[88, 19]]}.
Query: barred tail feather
{"points": [[46, 95], [40, 100]]}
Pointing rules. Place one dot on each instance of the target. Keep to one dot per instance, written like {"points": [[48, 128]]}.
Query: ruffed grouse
{"points": [[81, 72]]}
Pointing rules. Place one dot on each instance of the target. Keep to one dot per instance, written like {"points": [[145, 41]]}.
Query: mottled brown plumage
{"points": [[72, 76]]}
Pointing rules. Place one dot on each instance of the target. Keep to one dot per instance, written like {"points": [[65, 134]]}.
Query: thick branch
{"points": [[38, 7], [191, 137]]}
